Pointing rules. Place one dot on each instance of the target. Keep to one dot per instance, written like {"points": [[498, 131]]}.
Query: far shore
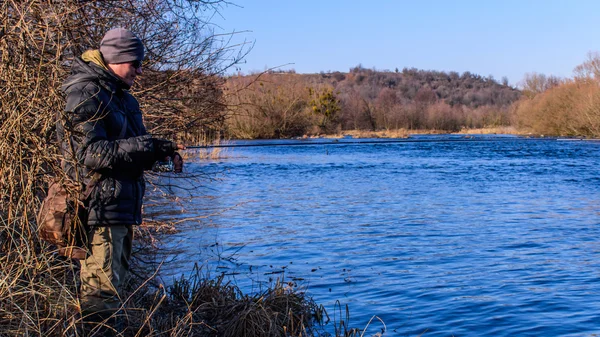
{"points": [[403, 133]]}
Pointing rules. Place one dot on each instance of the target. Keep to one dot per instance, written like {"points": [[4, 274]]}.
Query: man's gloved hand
{"points": [[163, 148]]}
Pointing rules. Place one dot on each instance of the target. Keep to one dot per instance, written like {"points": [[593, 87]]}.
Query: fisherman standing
{"points": [[101, 133]]}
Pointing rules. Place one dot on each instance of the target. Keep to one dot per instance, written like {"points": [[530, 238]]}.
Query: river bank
{"points": [[39, 296], [404, 133]]}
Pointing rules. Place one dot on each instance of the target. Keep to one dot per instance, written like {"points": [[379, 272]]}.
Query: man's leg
{"points": [[104, 271]]}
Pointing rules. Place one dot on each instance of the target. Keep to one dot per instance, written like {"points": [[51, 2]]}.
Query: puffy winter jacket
{"points": [[102, 131]]}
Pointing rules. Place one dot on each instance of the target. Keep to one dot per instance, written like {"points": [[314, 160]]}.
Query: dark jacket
{"points": [[102, 131]]}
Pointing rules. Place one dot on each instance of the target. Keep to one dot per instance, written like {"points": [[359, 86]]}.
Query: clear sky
{"points": [[486, 37]]}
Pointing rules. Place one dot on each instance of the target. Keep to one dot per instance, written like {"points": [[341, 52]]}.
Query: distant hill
{"points": [[468, 89], [367, 99]]}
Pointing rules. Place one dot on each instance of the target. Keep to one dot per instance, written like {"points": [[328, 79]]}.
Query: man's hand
{"points": [[164, 148]]}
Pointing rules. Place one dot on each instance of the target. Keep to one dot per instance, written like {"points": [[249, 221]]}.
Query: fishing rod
{"points": [[360, 142], [169, 166]]}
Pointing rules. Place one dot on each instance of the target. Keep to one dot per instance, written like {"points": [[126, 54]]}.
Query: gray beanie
{"points": [[119, 45]]}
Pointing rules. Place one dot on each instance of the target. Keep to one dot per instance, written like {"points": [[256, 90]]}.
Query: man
{"points": [[102, 135]]}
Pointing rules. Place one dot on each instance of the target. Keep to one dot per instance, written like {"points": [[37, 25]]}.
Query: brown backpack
{"points": [[63, 215]]}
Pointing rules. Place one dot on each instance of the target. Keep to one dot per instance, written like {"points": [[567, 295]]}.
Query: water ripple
{"points": [[464, 239]]}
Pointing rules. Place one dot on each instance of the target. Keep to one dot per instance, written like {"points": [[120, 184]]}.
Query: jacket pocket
{"points": [[107, 190]]}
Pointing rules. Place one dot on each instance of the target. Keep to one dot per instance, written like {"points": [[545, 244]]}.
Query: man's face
{"points": [[127, 71]]}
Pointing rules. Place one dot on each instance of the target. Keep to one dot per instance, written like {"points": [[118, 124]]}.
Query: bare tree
{"points": [[535, 83], [590, 68]]}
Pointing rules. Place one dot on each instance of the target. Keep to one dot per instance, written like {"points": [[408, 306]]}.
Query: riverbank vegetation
{"points": [[182, 91], [371, 102], [286, 104], [562, 107]]}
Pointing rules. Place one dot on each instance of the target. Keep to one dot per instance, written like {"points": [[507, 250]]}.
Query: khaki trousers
{"points": [[104, 271]]}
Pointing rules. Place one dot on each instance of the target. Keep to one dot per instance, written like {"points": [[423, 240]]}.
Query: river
{"points": [[446, 236]]}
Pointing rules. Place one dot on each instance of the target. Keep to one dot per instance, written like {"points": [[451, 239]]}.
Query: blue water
{"points": [[474, 238]]}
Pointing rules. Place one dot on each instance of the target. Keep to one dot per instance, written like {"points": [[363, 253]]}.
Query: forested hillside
{"points": [[286, 104]]}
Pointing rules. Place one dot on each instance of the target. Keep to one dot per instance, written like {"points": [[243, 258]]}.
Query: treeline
{"points": [[286, 104], [562, 107]]}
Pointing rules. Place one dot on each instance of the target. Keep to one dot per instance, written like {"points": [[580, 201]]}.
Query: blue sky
{"points": [[499, 38]]}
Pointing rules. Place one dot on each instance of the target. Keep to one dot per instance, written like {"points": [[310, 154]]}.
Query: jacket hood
{"points": [[90, 67], [94, 56]]}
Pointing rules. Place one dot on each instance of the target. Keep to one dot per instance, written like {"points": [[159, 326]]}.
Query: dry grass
{"points": [[401, 133], [502, 130], [212, 153], [202, 306], [277, 311]]}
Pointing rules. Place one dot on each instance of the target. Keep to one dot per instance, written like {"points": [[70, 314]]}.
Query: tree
{"points": [[326, 105], [590, 68], [267, 106], [534, 83]]}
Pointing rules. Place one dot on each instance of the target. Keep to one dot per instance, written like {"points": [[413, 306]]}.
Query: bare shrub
{"points": [[268, 106], [569, 109], [535, 83], [386, 102], [181, 93], [589, 69], [441, 116]]}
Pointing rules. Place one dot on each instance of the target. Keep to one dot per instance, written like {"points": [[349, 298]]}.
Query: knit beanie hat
{"points": [[119, 45]]}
